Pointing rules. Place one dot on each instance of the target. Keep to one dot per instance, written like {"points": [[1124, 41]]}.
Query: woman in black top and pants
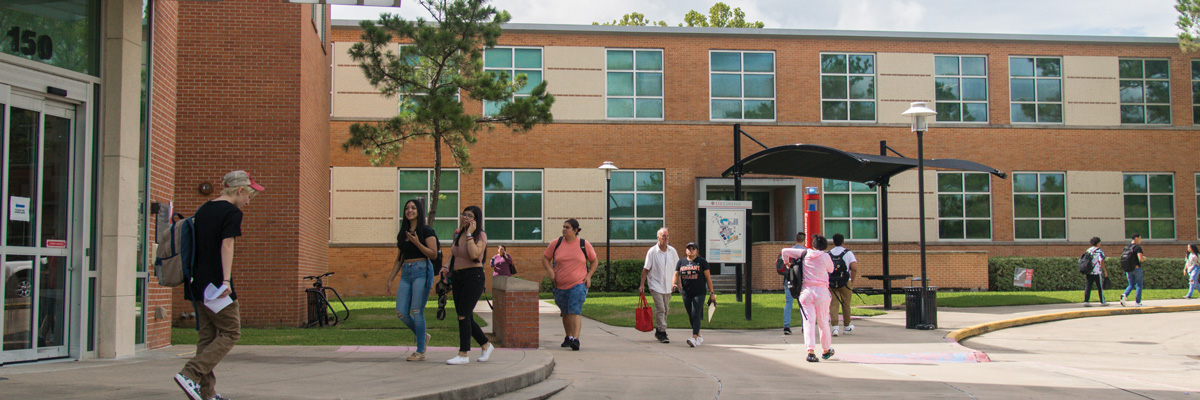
{"points": [[468, 250]]}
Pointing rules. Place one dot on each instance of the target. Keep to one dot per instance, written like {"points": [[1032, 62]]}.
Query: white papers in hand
{"points": [[212, 298], [712, 308]]}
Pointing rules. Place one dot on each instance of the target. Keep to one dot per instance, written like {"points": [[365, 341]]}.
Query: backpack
{"points": [[582, 249], [780, 267], [841, 272], [795, 275], [1085, 263], [176, 253], [1128, 259]]}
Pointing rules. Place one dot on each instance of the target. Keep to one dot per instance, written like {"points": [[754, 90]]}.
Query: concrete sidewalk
{"points": [[880, 358]]}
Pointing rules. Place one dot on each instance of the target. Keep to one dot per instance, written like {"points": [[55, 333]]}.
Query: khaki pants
{"points": [[218, 333], [662, 306], [841, 296]]}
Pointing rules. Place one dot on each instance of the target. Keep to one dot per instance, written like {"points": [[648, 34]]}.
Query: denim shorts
{"points": [[570, 301]]}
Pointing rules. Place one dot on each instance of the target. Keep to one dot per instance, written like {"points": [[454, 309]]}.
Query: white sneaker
{"points": [[1122, 300], [691, 342], [190, 387], [848, 328], [458, 360], [701, 340], [487, 353], [836, 331]]}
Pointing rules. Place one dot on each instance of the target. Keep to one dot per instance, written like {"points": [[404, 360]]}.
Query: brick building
{"points": [[1095, 134]]}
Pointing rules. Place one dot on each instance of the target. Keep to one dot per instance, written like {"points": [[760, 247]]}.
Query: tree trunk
{"points": [[435, 194]]}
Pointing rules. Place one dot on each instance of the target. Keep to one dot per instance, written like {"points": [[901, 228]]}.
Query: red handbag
{"points": [[644, 318]]}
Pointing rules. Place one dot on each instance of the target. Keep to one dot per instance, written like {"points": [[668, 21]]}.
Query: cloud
{"points": [[890, 15]]}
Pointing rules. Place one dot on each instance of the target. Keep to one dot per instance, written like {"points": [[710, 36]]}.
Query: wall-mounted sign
{"points": [[18, 208], [56, 244]]}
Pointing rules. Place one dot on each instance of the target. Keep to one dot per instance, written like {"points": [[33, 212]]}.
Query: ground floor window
{"points": [[964, 205], [635, 205], [418, 184], [512, 204], [1150, 205]]}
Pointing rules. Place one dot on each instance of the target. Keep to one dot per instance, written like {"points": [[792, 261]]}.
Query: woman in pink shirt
{"points": [[815, 297]]}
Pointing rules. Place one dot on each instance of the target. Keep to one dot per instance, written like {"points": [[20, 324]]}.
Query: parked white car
{"points": [[18, 278]]}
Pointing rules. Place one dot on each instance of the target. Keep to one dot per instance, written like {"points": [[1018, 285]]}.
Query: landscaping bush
{"points": [[1062, 273], [626, 274]]}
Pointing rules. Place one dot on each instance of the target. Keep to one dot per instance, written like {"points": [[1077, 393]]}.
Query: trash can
{"points": [[912, 307]]}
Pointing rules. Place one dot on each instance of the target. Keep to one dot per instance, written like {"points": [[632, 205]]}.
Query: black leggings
{"points": [[468, 286], [1087, 291], [694, 305]]}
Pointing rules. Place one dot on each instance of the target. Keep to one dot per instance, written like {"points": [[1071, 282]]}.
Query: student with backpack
{"points": [[1131, 261], [1092, 262], [811, 267], [781, 268], [844, 267], [502, 263], [566, 263], [218, 223], [467, 253], [1192, 270]]}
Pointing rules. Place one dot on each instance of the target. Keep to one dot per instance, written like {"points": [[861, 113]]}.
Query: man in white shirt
{"points": [[841, 288], [660, 270]]}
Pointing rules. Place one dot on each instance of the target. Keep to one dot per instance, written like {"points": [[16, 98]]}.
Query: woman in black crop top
{"points": [[418, 245]]}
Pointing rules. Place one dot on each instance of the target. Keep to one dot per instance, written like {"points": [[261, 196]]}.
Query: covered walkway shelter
{"points": [[815, 161]]}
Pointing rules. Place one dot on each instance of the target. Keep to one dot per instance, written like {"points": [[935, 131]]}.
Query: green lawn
{"points": [[767, 311], [372, 322]]}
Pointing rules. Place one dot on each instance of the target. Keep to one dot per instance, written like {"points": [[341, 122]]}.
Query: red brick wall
{"points": [[314, 154], [700, 148], [515, 320], [245, 67], [162, 154]]}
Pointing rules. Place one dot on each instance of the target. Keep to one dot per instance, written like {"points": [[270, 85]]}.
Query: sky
{"points": [[1155, 18]]}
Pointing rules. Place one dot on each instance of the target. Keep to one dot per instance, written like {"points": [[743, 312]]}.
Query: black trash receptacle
{"points": [[912, 307]]}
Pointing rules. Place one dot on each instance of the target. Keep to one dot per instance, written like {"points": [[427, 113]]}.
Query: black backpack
{"points": [[795, 275], [1085, 263], [582, 249], [1129, 261], [780, 267], [840, 276]]}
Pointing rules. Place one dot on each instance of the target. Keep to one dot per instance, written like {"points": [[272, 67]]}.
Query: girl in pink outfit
{"points": [[815, 297]]}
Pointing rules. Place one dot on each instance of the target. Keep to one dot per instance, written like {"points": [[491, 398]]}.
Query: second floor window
{"points": [[1196, 92], [513, 61], [960, 84], [848, 87], [1035, 88], [1145, 92], [635, 84], [742, 85]]}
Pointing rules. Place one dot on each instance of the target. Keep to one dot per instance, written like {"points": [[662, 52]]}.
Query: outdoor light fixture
{"points": [[608, 168], [919, 112]]}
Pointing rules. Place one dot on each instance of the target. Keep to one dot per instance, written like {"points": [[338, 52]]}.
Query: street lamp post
{"points": [[919, 112], [608, 168]]}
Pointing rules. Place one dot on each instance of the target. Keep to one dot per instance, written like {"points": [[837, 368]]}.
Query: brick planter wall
{"points": [[515, 319]]}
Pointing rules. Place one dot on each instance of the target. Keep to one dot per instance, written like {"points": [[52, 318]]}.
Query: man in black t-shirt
{"points": [[218, 224], [692, 278], [1135, 277]]}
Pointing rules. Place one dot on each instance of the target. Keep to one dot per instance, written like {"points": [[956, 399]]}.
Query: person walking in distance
{"points": [[566, 263], [502, 263], [218, 224], [693, 279], [468, 250], [659, 269], [845, 264], [787, 308], [815, 298], [417, 244], [1096, 276], [1192, 270], [1131, 261]]}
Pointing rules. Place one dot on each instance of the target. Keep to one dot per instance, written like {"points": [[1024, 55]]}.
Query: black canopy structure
{"points": [[815, 161]]}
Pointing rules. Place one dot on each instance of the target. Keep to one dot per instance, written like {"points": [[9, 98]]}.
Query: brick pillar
{"points": [[515, 319]]}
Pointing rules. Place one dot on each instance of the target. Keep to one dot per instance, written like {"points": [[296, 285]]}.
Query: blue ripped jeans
{"points": [[416, 279]]}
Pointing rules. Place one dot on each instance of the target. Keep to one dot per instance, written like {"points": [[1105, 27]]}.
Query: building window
{"points": [[1036, 89], [635, 205], [964, 206], [847, 87], [1040, 205], [1145, 92], [512, 204], [512, 61], [742, 85], [961, 86], [1150, 205], [418, 184], [851, 210], [1196, 92], [635, 84], [1198, 203]]}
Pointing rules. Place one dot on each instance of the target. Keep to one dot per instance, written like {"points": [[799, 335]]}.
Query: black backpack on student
{"points": [[1128, 259], [780, 267], [582, 249], [795, 275], [840, 276], [1085, 263]]}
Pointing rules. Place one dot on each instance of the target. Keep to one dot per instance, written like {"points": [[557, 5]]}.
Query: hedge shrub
{"points": [[1062, 273], [626, 274]]}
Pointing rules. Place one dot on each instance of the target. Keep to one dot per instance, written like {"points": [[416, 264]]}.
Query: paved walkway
{"points": [[880, 358]]}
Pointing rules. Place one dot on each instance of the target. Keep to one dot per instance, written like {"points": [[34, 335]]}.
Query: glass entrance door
{"points": [[36, 189]]}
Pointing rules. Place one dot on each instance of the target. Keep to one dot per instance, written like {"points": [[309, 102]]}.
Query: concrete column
{"points": [[515, 319], [120, 54]]}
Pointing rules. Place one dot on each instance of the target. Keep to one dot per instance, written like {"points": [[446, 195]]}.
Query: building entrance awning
{"points": [[814, 161]]}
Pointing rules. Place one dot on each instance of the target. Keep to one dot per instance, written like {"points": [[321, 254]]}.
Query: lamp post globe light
{"points": [[608, 168], [919, 111]]}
